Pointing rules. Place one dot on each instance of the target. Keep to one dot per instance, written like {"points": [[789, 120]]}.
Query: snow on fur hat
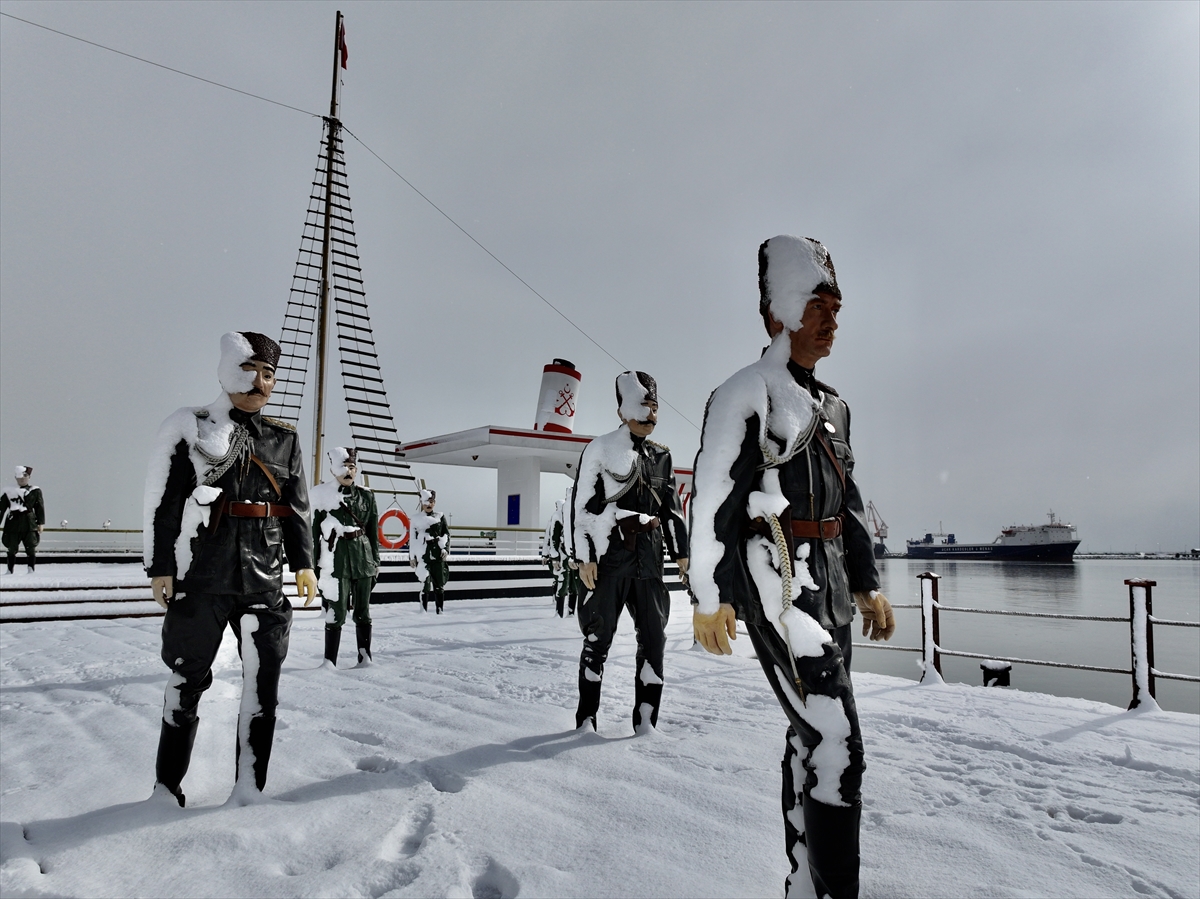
{"points": [[428, 496], [24, 471], [238, 348], [790, 272], [340, 457], [634, 390]]}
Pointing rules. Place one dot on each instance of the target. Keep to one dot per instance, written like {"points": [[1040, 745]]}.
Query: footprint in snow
{"points": [[443, 780], [404, 840], [377, 764], [356, 737], [496, 882]]}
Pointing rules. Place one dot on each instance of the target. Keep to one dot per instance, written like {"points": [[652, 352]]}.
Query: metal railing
{"points": [[472, 541], [465, 540], [1141, 623]]}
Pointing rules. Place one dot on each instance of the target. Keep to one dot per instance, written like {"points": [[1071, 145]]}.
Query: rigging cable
{"points": [[415, 189]]}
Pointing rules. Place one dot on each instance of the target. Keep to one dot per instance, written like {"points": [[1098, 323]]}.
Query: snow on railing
{"points": [[1141, 623]]}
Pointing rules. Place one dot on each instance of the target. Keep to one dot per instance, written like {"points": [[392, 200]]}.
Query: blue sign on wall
{"points": [[514, 508]]}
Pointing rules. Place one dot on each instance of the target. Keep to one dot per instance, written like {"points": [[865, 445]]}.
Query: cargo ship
{"points": [[1053, 542]]}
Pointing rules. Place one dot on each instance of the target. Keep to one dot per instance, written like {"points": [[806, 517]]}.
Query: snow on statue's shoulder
{"points": [[786, 416], [325, 497], [609, 459], [206, 427]]}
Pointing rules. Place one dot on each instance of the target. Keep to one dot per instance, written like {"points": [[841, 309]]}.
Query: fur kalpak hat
{"points": [[24, 471], [428, 496], [791, 270], [634, 390], [238, 348]]}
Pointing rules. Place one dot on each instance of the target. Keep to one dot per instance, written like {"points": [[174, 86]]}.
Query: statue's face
{"points": [[351, 473], [644, 427], [264, 382], [428, 505], [23, 481], [818, 328]]}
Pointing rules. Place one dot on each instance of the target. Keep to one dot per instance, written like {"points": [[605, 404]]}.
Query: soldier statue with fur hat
{"points": [[429, 550], [780, 541], [226, 504], [625, 510], [24, 515], [346, 544]]}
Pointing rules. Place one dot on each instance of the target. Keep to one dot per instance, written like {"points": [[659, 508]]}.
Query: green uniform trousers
{"points": [[354, 593]]}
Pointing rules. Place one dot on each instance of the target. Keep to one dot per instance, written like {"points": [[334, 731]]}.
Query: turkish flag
{"points": [[342, 45]]}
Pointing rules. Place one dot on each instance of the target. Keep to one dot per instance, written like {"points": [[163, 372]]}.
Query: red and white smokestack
{"points": [[556, 404]]}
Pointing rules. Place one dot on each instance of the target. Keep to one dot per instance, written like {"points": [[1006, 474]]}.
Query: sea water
{"points": [[1085, 587]]}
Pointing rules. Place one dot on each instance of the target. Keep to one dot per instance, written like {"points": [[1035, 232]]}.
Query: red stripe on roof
{"points": [[541, 435]]}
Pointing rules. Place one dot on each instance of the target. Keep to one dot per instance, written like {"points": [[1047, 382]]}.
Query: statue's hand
{"points": [[682, 562], [587, 574], [710, 631], [877, 614], [306, 585], [163, 588]]}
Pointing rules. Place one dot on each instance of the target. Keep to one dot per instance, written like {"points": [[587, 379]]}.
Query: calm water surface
{"points": [[1086, 587]]}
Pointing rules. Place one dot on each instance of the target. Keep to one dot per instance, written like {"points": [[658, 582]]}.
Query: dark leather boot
{"points": [[174, 756], [441, 598], [589, 701], [793, 813], [646, 694], [424, 602], [262, 737], [362, 631], [831, 833], [333, 639]]}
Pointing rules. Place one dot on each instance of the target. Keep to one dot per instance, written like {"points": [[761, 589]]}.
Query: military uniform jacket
{"points": [[620, 473], [809, 480], [25, 510], [353, 557], [238, 555]]}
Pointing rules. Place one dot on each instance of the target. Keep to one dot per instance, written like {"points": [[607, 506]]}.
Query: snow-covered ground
{"points": [[449, 768]]}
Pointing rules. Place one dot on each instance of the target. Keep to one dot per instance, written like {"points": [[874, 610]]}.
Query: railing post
{"points": [[1141, 641], [930, 629]]}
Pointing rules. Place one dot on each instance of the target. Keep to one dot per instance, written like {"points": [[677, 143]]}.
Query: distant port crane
{"points": [[879, 527]]}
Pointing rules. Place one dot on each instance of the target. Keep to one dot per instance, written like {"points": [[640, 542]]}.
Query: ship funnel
{"points": [[556, 404]]}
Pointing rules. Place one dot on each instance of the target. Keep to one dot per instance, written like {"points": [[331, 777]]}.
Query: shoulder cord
{"points": [[785, 572], [239, 445]]}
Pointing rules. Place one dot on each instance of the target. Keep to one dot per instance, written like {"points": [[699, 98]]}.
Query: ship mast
{"points": [[333, 126]]}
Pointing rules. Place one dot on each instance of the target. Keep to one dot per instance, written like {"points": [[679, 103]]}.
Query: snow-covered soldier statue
{"points": [[550, 551], [625, 508], [779, 539], [346, 550], [24, 516], [558, 554], [226, 501], [569, 586], [429, 551]]}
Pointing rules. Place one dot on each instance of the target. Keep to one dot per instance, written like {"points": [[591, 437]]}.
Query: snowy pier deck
{"points": [[449, 768]]}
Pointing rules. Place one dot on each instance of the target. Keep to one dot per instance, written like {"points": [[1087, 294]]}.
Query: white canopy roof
{"points": [[489, 446]]}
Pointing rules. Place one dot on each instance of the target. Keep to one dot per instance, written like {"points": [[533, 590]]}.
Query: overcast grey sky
{"points": [[1010, 193]]}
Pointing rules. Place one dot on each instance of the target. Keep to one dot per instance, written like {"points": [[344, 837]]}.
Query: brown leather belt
{"points": [[631, 526], [258, 510], [825, 529]]}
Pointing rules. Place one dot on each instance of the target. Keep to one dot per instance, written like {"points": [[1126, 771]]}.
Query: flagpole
{"points": [[333, 126]]}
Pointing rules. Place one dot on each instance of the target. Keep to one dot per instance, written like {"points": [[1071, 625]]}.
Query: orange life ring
{"points": [[383, 538]]}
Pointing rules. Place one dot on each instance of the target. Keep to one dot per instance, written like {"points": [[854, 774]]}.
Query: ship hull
{"points": [[994, 552]]}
